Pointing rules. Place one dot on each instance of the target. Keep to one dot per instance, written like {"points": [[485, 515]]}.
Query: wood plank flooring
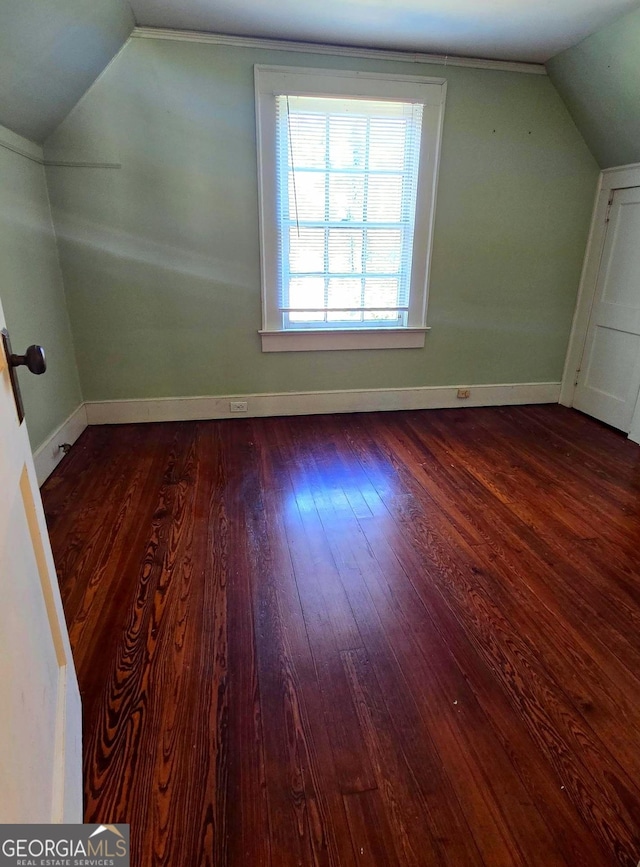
{"points": [[394, 639]]}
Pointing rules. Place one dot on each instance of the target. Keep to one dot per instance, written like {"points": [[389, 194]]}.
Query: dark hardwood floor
{"points": [[387, 639]]}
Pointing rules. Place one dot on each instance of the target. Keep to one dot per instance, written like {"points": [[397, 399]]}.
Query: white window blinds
{"points": [[346, 178]]}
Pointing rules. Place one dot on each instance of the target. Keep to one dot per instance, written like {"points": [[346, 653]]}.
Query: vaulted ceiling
{"points": [[52, 50]]}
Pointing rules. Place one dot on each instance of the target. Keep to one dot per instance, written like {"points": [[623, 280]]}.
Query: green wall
{"points": [[599, 79], [31, 290], [161, 257]]}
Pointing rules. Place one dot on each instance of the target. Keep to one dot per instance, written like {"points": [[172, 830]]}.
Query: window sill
{"points": [[357, 338]]}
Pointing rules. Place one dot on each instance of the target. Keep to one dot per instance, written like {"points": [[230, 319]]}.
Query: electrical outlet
{"points": [[238, 406], [464, 393]]}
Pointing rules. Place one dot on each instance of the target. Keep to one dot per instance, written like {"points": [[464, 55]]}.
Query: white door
{"points": [[40, 713], [609, 379]]}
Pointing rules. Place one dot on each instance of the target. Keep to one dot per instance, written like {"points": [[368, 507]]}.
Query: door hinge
{"points": [[609, 205], [575, 382]]}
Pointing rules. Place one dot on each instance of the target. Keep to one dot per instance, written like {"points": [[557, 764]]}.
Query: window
{"points": [[347, 168]]}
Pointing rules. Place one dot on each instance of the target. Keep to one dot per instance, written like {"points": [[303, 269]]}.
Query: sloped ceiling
{"points": [[51, 51], [599, 80], [531, 30]]}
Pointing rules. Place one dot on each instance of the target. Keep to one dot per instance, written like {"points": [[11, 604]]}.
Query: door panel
{"points": [[623, 266], [609, 380], [40, 714], [613, 355]]}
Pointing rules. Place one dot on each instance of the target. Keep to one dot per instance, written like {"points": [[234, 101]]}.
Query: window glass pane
{"points": [[384, 198], [344, 292], [346, 197], [304, 318], [345, 251], [306, 292], [380, 292], [383, 250], [347, 142], [348, 318], [306, 250], [387, 143], [307, 193], [308, 140], [386, 316]]}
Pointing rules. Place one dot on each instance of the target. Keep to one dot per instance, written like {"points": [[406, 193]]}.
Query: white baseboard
{"points": [[317, 402], [49, 455]]}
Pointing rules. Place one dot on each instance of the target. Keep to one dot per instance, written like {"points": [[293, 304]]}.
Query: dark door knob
{"points": [[33, 359]]}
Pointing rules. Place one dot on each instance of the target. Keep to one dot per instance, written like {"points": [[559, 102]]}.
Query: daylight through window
{"points": [[347, 182], [348, 167]]}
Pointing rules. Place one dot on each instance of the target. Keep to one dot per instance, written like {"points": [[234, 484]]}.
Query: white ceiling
{"points": [[530, 30]]}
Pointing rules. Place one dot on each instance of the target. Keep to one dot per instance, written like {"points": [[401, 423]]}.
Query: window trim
{"points": [[431, 92]]}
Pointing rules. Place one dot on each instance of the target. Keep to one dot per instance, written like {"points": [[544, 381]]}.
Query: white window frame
{"points": [[272, 81]]}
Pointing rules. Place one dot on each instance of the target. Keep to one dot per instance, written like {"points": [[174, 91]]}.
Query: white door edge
{"points": [[618, 177]]}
